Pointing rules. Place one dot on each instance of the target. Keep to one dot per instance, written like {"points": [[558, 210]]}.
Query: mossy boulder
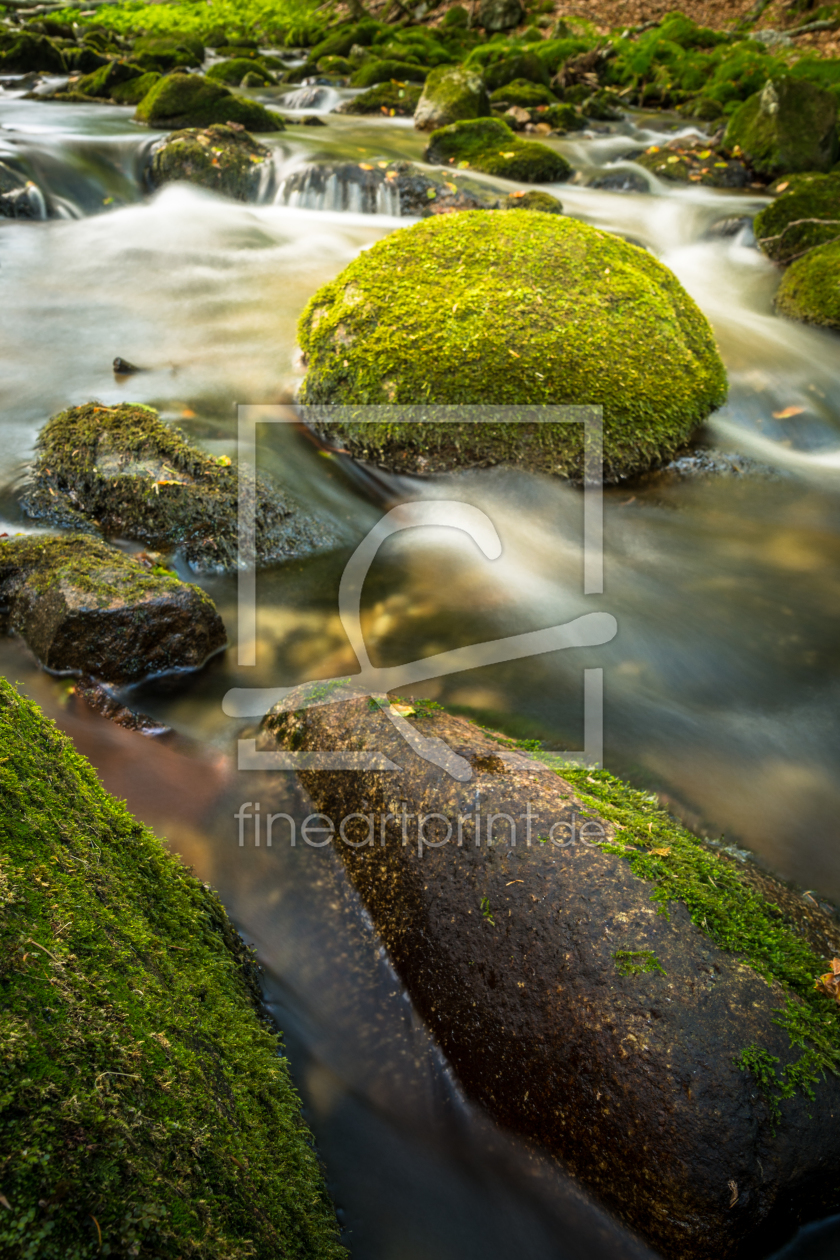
{"points": [[798, 220], [511, 309], [399, 100], [451, 93], [373, 72], [335, 65], [122, 471], [489, 145], [639, 1003], [810, 288], [190, 100], [562, 117], [139, 1074], [21, 52], [168, 52], [102, 83], [533, 200], [234, 70], [133, 91], [500, 15], [523, 92], [522, 65], [224, 159], [790, 125], [83, 607], [603, 106], [693, 162]]}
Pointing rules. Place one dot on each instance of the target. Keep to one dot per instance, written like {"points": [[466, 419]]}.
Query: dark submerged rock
{"points": [[222, 158], [128, 993], [190, 100], [489, 145], [575, 990], [790, 125], [83, 607], [123, 471]]}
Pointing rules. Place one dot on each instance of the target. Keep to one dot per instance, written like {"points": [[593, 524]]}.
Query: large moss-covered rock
{"points": [[523, 92], [798, 220], [83, 607], [810, 288], [235, 69], [168, 52], [499, 15], [398, 100], [190, 100], [21, 52], [450, 94], [146, 1108], [123, 471], [511, 309], [790, 125], [133, 91], [373, 72], [600, 980], [489, 145], [521, 65], [224, 159]]}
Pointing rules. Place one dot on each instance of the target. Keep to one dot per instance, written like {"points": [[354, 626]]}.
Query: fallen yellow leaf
{"points": [[661, 852], [787, 413], [507, 155], [365, 166], [782, 187]]}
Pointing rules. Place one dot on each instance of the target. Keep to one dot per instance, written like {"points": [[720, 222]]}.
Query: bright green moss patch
{"points": [[810, 288], [512, 309], [637, 962], [189, 100], [725, 906], [143, 1099], [489, 145]]}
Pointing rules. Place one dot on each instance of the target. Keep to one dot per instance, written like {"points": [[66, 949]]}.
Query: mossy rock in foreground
{"points": [[798, 220], [190, 100], [810, 288], [489, 145], [86, 608], [145, 1106], [521, 309], [224, 159], [636, 1001], [122, 471], [790, 125]]}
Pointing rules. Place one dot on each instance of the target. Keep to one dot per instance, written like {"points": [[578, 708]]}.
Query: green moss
{"points": [[133, 91], [695, 163], [451, 93], [796, 221], [21, 52], [636, 962], [524, 93], [166, 52], [519, 65], [334, 65], [512, 309], [489, 145], [398, 99], [790, 125], [727, 908], [233, 71], [373, 72], [143, 1098], [108, 77], [562, 117], [533, 200], [225, 160], [810, 288], [190, 100]]}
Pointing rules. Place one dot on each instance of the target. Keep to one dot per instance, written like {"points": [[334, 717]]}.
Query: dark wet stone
{"points": [[20, 198], [621, 181]]}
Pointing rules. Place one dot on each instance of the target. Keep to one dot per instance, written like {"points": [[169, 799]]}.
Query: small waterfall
{"points": [[316, 98], [346, 187]]}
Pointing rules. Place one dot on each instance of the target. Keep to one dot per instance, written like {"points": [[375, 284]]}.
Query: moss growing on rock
{"points": [[451, 93], [145, 1107], [810, 288], [168, 52], [373, 72], [223, 159], [533, 200], [85, 608], [21, 52], [122, 470], [399, 100], [489, 145], [234, 70], [512, 309], [524, 93], [798, 220], [108, 77], [133, 91], [189, 100], [790, 125], [696, 163], [523, 65]]}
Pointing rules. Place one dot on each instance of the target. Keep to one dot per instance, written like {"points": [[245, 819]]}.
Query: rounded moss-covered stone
{"points": [[798, 220], [810, 288], [694, 162], [499, 15], [563, 117], [234, 70], [451, 93], [790, 125], [21, 52], [123, 471], [523, 92], [190, 100], [520, 309], [489, 145], [334, 65], [133, 90], [373, 72], [399, 100], [140, 1073], [522, 65], [224, 159], [533, 200], [108, 77]]}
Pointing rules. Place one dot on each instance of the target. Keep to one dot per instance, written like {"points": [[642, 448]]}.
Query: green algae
{"points": [[512, 309], [190, 100], [145, 1106], [637, 962], [489, 145], [810, 288]]}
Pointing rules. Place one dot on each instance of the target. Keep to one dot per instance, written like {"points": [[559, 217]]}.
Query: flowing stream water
{"points": [[722, 686]]}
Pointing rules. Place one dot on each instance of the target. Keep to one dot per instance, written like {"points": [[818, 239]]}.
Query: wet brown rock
{"points": [[572, 1009]]}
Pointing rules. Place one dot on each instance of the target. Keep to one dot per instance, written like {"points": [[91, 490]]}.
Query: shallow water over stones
{"points": [[720, 688]]}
